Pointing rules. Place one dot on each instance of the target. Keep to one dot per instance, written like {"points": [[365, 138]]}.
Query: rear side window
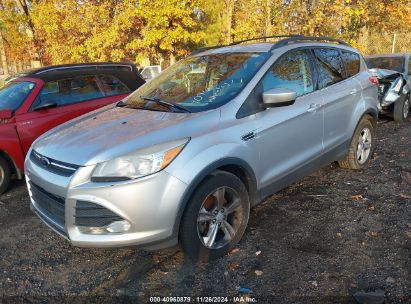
{"points": [[352, 63], [291, 71], [330, 66], [69, 91], [112, 85]]}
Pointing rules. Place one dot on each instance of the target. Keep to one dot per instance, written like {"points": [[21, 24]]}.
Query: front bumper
{"points": [[150, 205]]}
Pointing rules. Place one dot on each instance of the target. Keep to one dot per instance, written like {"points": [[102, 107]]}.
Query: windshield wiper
{"points": [[165, 103]]}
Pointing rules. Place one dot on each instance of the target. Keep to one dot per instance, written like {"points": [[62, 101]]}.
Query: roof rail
{"points": [[301, 38], [82, 66], [288, 39]]}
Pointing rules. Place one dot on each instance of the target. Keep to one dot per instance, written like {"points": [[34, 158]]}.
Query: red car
{"points": [[41, 99]]}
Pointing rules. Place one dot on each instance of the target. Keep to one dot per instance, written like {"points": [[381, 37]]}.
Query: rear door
{"points": [[341, 95], [73, 97]]}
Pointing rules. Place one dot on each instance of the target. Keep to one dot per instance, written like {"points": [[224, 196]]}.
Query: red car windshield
{"points": [[13, 94]]}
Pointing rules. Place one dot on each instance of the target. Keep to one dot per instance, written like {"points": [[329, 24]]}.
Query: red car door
{"points": [[62, 100]]}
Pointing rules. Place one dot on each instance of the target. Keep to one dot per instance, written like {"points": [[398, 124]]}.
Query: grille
{"points": [[55, 166], [51, 207], [94, 215]]}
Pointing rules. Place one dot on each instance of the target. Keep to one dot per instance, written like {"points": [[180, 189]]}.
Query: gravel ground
{"points": [[335, 233]]}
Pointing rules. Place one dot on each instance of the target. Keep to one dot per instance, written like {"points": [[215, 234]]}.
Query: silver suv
{"points": [[184, 157]]}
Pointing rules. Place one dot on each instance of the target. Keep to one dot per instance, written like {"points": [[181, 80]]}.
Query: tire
{"points": [[401, 109], [4, 175], [195, 235], [355, 159]]}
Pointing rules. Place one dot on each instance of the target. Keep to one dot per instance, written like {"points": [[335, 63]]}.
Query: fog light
{"points": [[113, 228], [118, 227]]}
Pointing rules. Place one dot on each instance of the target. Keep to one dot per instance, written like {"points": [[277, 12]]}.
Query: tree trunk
{"points": [[3, 56], [267, 9], [34, 50], [228, 20]]}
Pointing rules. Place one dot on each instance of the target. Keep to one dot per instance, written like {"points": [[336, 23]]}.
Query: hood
{"points": [[104, 135]]}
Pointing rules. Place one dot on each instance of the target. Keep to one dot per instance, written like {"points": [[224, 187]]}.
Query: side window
{"points": [[409, 65], [69, 91], [291, 71], [79, 89], [330, 68], [352, 63], [112, 85]]}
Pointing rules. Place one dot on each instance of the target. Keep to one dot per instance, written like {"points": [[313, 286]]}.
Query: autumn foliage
{"points": [[161, 31]]}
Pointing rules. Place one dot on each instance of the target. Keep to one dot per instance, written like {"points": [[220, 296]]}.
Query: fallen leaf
{"points": [[371, 208], [235, 250], [357, 197], [339, 234], [233, 266], [258, 272], [314, 283], [372, 233], [353, 285], [404, 196], [258, 253], [409, 234]]}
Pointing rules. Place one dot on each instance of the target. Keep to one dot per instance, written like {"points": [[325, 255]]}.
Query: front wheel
{"points": [[4, 175], [361, 147], [215, 218]]}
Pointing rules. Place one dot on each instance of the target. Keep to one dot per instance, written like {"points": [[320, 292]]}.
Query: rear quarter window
{"points": [[112, 85], [351, 62]]}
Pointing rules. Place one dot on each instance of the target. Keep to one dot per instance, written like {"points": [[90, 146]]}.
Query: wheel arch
{"points": [[14, 169], [236, 166]]}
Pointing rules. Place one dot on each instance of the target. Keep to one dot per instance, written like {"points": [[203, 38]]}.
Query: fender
{"points": [[10, 148], [228, 161]]}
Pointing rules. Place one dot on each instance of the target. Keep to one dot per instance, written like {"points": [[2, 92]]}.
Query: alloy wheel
{"points": [[406, 108], [219, 218], [364, 146], [2, 175]]}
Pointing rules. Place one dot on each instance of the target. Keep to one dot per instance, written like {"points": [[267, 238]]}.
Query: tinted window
{"points": [[409, 66], [200, 83], [352, 63], [330, 66], [69, 91], [112, 85], [389, 63], [13, 94], [291, 71]]}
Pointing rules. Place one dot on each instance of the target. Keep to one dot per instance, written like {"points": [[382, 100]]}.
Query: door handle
{"points": [[313, 107], [353, 91]]}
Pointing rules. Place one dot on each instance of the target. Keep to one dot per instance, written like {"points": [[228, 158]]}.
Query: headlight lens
{"points": [[138, 164]]}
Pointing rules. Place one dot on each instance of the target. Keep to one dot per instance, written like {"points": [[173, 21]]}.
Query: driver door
{"points": [[290, 137]]}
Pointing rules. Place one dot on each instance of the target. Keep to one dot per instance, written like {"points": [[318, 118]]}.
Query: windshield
{"points": [[389, 63], [13, 94], [199, 83]]}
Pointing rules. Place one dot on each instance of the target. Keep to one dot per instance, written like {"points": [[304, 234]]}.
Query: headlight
{"points": [[138, 164]]}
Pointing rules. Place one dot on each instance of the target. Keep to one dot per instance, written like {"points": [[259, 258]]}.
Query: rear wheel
{"points": [[4, 175], [361, 147], [401, 109], [215, 218]]}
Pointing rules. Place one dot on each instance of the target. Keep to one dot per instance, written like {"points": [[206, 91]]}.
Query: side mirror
{"points": [[279, 97], [46, 105], [6, 114]]}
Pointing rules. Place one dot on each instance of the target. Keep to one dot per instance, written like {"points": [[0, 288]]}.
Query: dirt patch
{"points": [[322, 239]]}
